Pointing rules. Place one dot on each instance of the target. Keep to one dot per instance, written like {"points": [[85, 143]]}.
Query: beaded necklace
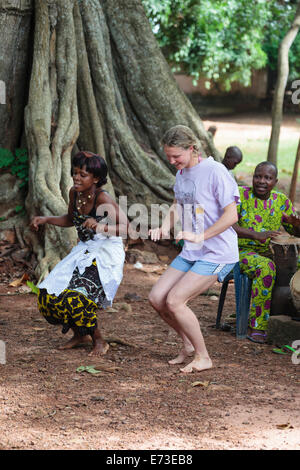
{"points": [[82, 201]]}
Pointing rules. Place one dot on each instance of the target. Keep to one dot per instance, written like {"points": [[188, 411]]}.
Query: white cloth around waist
{"points": [[109, 255]]}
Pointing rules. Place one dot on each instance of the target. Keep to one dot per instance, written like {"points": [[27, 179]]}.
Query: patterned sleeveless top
{"points": [[84, 233]]}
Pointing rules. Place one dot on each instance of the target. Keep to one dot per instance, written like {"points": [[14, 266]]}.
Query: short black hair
{"points": [[234, 152], [93, 163], [272, 165]]}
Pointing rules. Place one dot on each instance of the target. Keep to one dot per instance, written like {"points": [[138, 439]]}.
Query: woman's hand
{"points": [[158, 233], [103, 228], [90, 224], [155, 234], [190, 237], [37, 221]]}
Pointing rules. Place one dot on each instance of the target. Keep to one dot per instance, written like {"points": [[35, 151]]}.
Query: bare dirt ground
{"points": [[248, 400], [250, 126]]}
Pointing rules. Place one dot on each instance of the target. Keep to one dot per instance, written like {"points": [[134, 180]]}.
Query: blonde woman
{"points": [[206, 197]]}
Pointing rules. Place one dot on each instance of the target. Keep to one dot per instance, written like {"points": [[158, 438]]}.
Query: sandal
{"points": [[260, 335], [285, 350], [89, 369]]}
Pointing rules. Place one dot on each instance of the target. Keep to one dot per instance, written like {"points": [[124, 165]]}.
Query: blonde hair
{"points": [[181, 136]]}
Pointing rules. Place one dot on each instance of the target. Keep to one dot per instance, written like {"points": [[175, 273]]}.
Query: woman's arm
{"points": [[227, 219], [115, 222], [167, 224], [60, 221]]}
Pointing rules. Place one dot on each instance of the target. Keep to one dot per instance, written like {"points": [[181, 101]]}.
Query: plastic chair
{"points": [[242, 286]]}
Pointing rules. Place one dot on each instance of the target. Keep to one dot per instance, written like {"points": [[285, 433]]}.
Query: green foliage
{"points": [[282, 16], [16, 163], [218, 39], [222, 40], [33, 287], [6, 158]]}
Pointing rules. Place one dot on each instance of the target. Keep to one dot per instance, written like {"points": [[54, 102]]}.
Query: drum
{"points": [[295, 290], [285, 256], [284, 249]]}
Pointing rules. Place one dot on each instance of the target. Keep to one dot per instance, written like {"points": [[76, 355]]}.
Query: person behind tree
{"points": [[87, 278], [233, 156], [262, 212], [207, 196], [212, 130]]}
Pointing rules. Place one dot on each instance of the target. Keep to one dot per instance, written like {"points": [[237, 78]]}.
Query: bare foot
{"points": [[198, 364], [184, 353], [75, 341], [100, 348]]}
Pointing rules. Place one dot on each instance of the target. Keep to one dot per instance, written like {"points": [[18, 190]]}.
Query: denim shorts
{"points": [[202, 267]]}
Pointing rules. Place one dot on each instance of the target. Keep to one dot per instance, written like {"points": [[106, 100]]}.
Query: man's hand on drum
{"points": [[293, 219], [263, 236]]}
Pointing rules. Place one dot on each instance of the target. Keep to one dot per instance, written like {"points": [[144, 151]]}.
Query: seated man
{"points": [[233, 156], [262, 212]]}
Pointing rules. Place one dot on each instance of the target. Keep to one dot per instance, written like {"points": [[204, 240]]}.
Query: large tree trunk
{"points": [[293, 186], [282, 77], [99, 82], [51, 122], [15, 31]]}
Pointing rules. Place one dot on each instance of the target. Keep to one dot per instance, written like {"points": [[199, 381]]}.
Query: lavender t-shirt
{"points": [[202, 192]]}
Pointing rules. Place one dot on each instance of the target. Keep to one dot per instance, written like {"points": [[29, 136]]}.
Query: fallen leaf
{"points": [[201, 384], [220, 388], [284, 426], [105, 368], [21, 280], [214, 297], [119, 341], [164, 258], [33, 288], [131, 400], [123, 306]]}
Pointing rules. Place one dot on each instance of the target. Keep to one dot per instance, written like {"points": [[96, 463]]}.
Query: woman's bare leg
{"points": [[157, 298], [190, 285]]}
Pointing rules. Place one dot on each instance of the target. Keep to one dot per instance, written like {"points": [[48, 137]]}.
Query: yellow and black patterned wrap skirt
{"points": [[76, 306]]}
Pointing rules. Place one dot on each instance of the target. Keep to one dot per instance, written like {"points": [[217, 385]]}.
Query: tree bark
{"points": [[15, 30], [51, 120], [283, 73], [293, 187], [15, 34]]}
